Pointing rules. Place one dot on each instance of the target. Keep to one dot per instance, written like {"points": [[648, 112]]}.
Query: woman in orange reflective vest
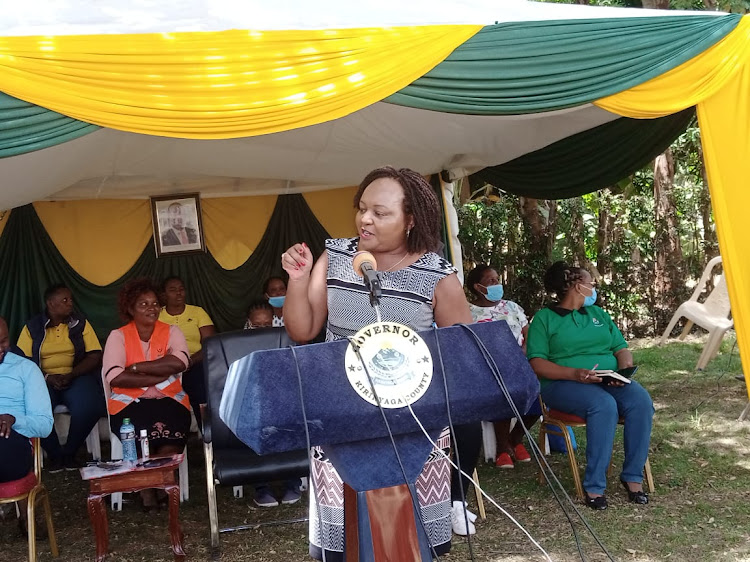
{"points": [[142, 367]]}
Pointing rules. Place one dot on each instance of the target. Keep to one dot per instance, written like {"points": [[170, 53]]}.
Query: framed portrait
{"points": [[178, 228]]}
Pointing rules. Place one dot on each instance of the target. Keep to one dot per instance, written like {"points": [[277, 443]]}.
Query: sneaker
{"points": [[290, 497], [263, 498], [459, 516], [521, 454], [503, 460], [55, 465]]}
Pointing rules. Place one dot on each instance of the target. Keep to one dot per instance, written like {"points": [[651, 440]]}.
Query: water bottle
{"points": [[144, 445], [127, 438]]}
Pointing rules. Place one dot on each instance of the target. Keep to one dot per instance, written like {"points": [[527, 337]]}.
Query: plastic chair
{"points": [[711, 314], [30, 488], [560, 420], [93, 443]]}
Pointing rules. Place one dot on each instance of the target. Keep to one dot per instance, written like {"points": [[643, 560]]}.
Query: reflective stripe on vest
{"points": [[172, 387]]}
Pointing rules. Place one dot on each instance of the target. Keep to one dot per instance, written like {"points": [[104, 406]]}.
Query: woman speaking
{"points": [[398, 222]]}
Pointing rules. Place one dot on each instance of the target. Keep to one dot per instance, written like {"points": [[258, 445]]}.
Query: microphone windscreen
{"points": [[362, 257]]}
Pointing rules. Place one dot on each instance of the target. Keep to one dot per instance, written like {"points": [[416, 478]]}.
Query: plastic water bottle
{"points": [[145, 453], [127, 438]]}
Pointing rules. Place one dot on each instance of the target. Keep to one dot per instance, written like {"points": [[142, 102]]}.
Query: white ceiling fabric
{"points": [[77, 17], [110, 164]]}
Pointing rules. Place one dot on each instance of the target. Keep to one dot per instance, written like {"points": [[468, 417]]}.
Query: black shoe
{"points": [[69, 463], [598, 503], [55, 465], [639, 497]]}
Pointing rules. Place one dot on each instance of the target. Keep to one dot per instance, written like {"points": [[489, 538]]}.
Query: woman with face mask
{"points": [[274, 291], [489, 305], [567, 342]]}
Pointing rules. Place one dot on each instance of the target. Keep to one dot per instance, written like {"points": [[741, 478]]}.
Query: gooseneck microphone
{"points": [[365, 266]]}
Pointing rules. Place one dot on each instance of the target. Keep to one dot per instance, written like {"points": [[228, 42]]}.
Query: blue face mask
{"points": [[591, 299], [276, 302], [494, 293]]}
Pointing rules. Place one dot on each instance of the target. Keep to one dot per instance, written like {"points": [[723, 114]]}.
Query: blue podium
{"points": [[269, 396]]}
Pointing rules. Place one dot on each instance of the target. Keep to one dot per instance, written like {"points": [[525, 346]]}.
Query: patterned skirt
{"points": [[327, 502]]}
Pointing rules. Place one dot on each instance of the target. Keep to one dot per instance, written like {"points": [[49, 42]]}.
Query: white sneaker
{"points": [[459, 516]]}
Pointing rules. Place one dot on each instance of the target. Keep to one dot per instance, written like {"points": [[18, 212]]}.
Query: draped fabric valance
{"points": [[587, 161], [220, 84], [540, 66]]}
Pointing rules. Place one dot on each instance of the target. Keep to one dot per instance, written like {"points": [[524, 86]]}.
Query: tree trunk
{"points": [[669, 285], [539, 219], [604, 233], [577, 235], [710, 242], [656, 4]]}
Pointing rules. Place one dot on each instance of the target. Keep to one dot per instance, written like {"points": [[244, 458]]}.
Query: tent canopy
{"points": [[112, 101]]}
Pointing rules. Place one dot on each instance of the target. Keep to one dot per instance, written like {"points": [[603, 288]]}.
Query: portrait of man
{"points": [[177, 224], [178, 232]]}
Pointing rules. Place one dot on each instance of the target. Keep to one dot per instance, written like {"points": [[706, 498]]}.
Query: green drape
{"points": [[25, 127], [31, 262], [589, 160], [528, 67]]}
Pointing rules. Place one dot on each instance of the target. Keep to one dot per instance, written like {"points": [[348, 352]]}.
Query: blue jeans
{"points": [[601, 406], [85, 400]]}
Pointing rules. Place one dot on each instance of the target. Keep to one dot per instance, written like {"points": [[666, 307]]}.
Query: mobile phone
{"points": [[153, 463], [628, 371]]}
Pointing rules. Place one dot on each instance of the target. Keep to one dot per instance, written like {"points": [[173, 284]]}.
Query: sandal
{"points": [[598, 503]]}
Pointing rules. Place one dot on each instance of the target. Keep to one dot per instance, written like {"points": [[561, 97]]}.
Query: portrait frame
{"points": [[178, 224]]}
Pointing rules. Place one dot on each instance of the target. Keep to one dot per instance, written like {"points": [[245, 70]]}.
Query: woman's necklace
{"points": [[397, 263]]}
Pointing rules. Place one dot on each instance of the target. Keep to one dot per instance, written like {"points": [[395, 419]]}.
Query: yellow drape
{"points": [[718, 83], [249, 83], [102, 239]]}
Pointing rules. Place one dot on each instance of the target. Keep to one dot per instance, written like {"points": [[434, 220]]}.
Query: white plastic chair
{"points": [[711, 314], [93, 443]]}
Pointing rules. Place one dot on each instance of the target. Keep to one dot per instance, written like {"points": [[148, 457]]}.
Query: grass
{"points": [[700, 510]]}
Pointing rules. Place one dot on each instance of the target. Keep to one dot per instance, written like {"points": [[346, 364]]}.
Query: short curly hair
{"points": [[129, 294], [560, 277], [475, 276], [420, 202]]}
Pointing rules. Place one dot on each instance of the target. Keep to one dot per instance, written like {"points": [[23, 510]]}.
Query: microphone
{"points": [[365, 266]]}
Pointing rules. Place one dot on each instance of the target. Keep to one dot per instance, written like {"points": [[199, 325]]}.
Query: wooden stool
{"points": [[140, 478]]}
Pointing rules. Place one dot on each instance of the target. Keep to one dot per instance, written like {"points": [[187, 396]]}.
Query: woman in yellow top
{"points": [[64, 346], [196, 324]]}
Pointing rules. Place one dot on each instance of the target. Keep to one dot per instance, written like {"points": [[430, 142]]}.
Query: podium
{"points": [[286, 399]]}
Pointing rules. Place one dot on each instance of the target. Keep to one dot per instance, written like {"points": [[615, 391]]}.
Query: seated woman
{"points": [[261, 315], [569, 340], [196, 326], [143, 363], [64, 346], [489, 305], [274, 291]]}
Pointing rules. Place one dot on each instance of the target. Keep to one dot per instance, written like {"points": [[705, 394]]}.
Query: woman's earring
{"points": [[408, 232]]}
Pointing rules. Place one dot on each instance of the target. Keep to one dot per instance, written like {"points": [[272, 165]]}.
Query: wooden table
{"points": [[162, 477]]}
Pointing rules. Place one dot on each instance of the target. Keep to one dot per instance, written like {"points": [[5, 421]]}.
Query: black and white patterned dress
{"points": [[407, 298]]}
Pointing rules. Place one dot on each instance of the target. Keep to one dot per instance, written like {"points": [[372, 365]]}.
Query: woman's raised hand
{"points": [[297, 261], [586, 376]]}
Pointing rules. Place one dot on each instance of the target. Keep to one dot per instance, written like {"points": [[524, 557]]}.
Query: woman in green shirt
{"points": [[567, 341]]}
